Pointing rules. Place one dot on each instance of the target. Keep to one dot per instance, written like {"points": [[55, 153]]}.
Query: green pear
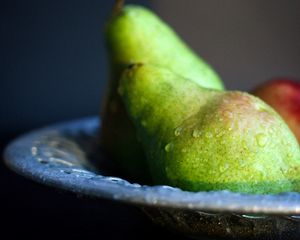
{"points": [[135, 34], [200, 139]]}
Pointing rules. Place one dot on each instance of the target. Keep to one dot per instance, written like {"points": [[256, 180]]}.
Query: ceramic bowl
{"points": [[68, 156]]}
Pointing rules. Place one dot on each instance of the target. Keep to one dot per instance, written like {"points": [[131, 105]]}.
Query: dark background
{"points": [[247, 42], [53, 67]]}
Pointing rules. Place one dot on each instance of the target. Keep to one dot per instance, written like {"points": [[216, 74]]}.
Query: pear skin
{"points": [[199, 139], [135, 34]]}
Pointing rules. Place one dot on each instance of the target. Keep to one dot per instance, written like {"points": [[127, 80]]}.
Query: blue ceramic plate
{"points": [[68, 156]]}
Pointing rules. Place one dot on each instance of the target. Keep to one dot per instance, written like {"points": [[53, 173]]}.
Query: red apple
{"points": [[284, 96]]}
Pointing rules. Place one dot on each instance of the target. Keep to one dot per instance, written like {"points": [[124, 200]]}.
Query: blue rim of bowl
{"points": [[83, 181]]}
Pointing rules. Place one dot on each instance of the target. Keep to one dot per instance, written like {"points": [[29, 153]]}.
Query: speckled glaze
{"points": [[67, 156]]}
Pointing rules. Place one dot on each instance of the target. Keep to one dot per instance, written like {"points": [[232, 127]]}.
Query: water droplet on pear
{"points": [[178, 131], [168, 147], [261, 139], [196, 133]]}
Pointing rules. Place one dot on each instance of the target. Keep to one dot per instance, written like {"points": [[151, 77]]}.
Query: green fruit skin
{"points": [[138, 35], [199, 140]]}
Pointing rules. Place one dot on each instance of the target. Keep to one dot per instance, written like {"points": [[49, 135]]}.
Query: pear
{"points": [[199, 139], [135, 34]]}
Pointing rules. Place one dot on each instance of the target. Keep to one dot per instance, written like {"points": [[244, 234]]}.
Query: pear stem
{"points": [[118, 7]]}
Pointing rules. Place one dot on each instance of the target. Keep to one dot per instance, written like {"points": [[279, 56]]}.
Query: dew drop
{"points": [[144, 123], [271, 130], [196, 133], [42, 161], [259, 107], [60, 161], [224, 167], [244, 145], [208, 135], [67, 171], [242, 163], [178, 131], [288, 144], [168, 147], [219, 134], [34, 151], [228, 114], [261, 139]]}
